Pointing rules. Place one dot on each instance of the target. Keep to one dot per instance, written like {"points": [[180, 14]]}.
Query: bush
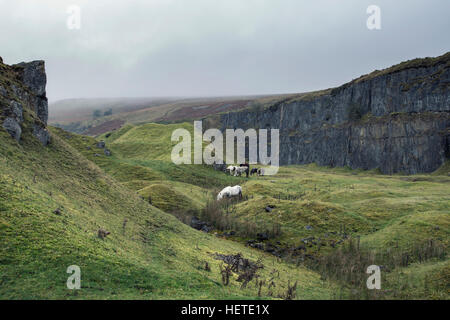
{"points": [[222, 215], [347, 265]]}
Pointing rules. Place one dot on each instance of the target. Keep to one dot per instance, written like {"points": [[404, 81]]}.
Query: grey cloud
{"points": [[215, 47]]}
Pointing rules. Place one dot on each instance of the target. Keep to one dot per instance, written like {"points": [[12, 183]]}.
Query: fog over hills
{"points": [[215, 48]]}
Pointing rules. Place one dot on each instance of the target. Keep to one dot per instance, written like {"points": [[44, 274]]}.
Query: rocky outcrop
{"points": [[22, 90], [396, 120]]}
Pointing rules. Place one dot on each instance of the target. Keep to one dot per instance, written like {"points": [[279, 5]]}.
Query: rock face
{"points": [[397, 120], [22, 89], [13, 127]]}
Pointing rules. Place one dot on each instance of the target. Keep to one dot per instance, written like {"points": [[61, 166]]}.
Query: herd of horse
{"points": [[229, 191], [244, 168]]}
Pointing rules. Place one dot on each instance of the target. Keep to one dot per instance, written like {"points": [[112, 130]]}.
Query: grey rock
{"points": [[3, 91], [206, 229], [17, 110], [33, 76], [41, 133], [41, 108], [107, 152], [196, 223], [101, 144], [405, 125], [258, 246], [262, 236], [12, 126], [30, 94]]}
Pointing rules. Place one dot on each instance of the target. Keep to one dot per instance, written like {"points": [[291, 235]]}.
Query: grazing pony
{"points": [[231, 169], [240, 170], [260, 172], [230, 192], [253, 171], [247, 171]]}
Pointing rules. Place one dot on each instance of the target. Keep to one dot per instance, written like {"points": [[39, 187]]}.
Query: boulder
{"points": [[16, 110], [196, 223], [25, 91], [41, 133], [101, 144], [206, 229], [12, 126], [32, 74], [258, 246], [262, 236]]}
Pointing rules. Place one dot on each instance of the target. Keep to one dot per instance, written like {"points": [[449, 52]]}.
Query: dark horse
{"points": [[248, 168]]}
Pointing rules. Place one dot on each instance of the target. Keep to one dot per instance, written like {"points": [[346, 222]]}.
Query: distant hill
{"points": [[77, 115]]}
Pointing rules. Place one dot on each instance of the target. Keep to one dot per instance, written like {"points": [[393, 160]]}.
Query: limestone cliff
{"points": [[23, 101], [397, 120]]}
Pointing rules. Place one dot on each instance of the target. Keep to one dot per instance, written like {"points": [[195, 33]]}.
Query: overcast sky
{"points": [[215, 47]]}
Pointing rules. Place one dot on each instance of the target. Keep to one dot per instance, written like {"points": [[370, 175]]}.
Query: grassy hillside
{"points": [[53, 201], [319, 209]]}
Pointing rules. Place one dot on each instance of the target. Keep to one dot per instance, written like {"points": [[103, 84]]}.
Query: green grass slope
{"points": [[148, 255], [333, 205]]}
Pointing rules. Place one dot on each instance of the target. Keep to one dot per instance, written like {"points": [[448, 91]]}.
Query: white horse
{"points": [[230, 192], [239, 171], [231, 169]]}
